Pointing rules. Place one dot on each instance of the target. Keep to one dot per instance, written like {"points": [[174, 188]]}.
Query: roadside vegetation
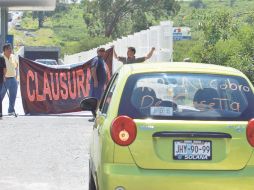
{"points": [[222, 30], [223, 34]]}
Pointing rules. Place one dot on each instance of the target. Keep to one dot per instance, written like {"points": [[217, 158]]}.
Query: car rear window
{"points": [[187, 96]]}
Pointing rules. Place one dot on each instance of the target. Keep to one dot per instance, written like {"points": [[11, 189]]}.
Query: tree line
{"points": [[113, 19]]}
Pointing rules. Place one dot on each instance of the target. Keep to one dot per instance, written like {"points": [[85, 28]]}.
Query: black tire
{"points": [[91, 185]]}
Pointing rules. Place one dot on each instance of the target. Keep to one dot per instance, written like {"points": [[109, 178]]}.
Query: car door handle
{"points": [[192, 134]]}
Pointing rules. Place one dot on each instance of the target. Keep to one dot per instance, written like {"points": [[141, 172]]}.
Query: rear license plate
{"points": [[192, 150]]}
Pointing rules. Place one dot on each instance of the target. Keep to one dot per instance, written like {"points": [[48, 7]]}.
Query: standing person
{"points": [[131, 56], [98, 75], [2, 78], [10, 83]]}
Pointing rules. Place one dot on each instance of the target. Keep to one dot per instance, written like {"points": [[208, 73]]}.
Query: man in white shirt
{"points": [[10, 83]]}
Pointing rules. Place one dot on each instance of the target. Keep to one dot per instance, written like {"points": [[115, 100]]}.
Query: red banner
{"points": [[55, 89]]}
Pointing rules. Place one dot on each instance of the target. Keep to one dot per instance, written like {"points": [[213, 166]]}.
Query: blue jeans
{"points": [[1, 101], [11, 85], [96, 92]]}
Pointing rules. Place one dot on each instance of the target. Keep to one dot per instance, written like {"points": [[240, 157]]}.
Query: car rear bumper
{"points": [[133, 178]]}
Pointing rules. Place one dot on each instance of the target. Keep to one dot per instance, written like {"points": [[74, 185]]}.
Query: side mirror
{"points": [[89, 104]]}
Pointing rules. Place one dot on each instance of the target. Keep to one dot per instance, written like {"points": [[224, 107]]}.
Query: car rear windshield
{"points": [[187, 96]]}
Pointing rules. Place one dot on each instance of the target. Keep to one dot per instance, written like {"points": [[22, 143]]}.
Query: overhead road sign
{"points": [[42, 5]]}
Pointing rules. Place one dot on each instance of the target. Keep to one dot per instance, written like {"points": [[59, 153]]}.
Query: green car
{"points": [[173, 126]]}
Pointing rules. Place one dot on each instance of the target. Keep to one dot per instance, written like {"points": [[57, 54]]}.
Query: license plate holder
{"points": [[192, 150]]}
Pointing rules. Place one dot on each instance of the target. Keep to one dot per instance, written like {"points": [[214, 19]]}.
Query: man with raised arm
{"points": [[131, 56]]}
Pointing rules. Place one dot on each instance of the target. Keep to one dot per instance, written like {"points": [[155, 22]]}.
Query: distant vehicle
{"points": [[42, 53], [18, 25], [29, 34], [47, 61]]}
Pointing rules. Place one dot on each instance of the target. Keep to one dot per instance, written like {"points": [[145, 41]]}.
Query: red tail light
{"points": [[123, 130], [250, 132]]}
